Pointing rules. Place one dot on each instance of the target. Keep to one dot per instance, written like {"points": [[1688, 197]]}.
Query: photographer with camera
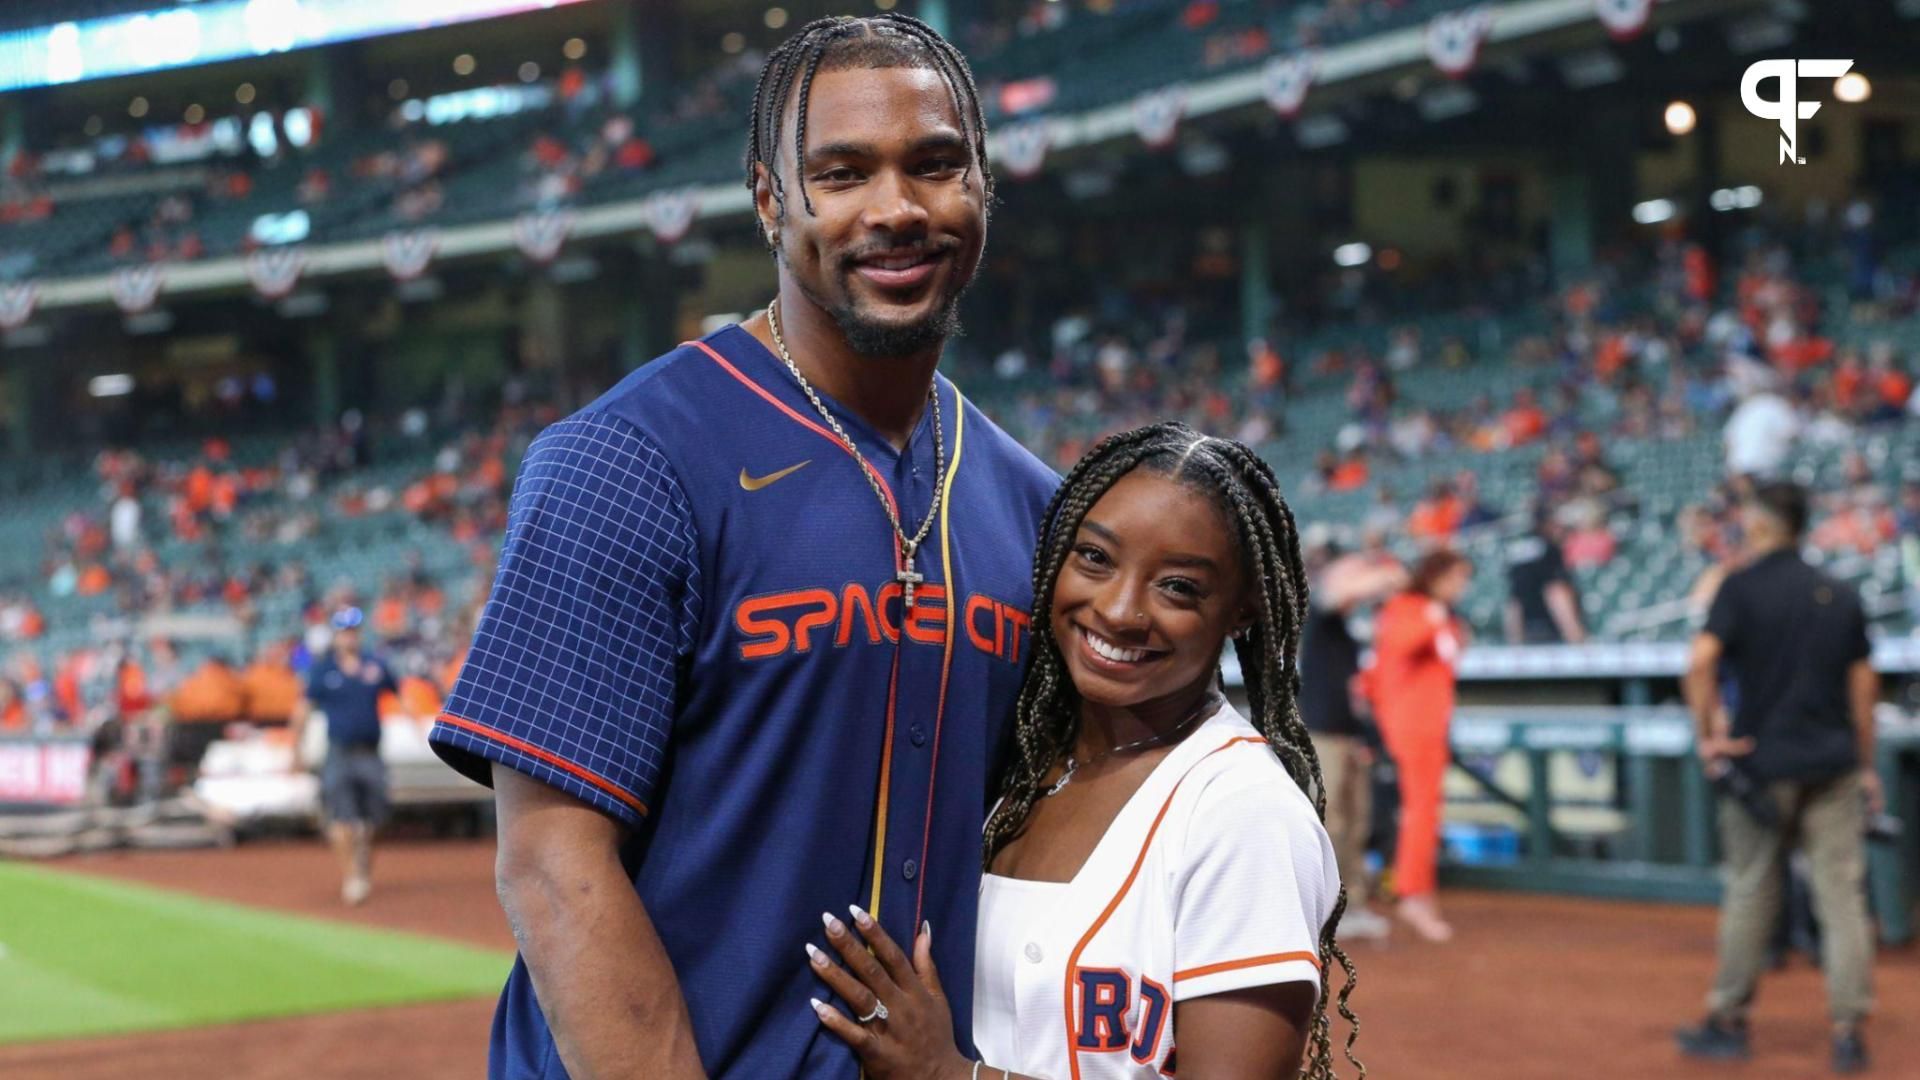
{"points": [[1794, 767]]}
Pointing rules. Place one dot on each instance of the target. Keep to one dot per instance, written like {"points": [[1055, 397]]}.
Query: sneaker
{"points": [[1363, 924], [1421, 913], [1849, 1051], [1716, 1039], [356, 891]]}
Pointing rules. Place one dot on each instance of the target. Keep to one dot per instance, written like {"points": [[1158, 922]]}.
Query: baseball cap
{"points": [[348, 618]]}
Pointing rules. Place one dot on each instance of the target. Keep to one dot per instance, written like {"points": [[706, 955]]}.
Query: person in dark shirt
{"points": [[1801, 730], [1542, 606], [1338, 717], [345, 686]]}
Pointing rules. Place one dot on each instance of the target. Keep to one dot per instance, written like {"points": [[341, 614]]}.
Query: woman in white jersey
{"points": [[1160, 893]]}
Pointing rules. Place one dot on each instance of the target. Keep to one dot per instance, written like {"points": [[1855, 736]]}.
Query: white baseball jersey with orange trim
{"points": [[1215, 876]]}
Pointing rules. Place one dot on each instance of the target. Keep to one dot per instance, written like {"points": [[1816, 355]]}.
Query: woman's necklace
{"points": [[905, 574], [1207, 706]]}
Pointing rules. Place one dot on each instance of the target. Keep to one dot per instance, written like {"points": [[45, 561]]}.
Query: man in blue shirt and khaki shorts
{"points": [[345, 685]]}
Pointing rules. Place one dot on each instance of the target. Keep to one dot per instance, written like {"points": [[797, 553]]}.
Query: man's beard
{"points": [[877, 339]]}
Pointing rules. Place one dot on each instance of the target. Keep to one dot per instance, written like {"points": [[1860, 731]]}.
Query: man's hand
{"points": [[1719, 746], [1870, 787]]}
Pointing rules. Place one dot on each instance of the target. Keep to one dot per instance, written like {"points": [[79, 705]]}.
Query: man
{"points": [[345, 684], [1795, 642], [1542, 606], [759, 624], [1333, 712]]}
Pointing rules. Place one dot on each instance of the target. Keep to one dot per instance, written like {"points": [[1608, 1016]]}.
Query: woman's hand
{"points": [[915, 1040]]}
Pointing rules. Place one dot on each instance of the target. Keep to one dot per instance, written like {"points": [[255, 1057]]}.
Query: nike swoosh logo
{"points": [[753, 483]]}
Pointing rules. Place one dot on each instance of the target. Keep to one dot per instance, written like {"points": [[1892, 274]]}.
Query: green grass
{"points": [[84, 956]]}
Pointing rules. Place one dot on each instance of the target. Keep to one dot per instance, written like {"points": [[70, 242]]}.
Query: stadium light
{"points": [[575, 48], [1744, 197], [194, 114], [243, 93], [137, 108], [883, 5], [463, 64], [1653, 211], [776, 18], [93, 125], [397, 89], [1852, 88], [529, 72], [110, 385], [1354, 254], [1680, 118], [733, 42]]}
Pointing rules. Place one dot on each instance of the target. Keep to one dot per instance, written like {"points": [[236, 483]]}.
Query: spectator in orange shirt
{"points": [[94, 580], [1525, 422], [1891, 386], [1350, 474], [1436, 517]]}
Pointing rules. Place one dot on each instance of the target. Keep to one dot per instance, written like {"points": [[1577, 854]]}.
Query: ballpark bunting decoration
{"points": [[136, 287], [1454, 39], [1285, 80], [1624, 19], [670, 214], [407, 252], [274, 271], [1156, 115], [17, 301], [539, 234], [1023, 148]]}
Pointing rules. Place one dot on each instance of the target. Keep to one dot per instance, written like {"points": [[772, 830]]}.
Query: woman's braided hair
{"points": [[885, 40], [1047, 718]]}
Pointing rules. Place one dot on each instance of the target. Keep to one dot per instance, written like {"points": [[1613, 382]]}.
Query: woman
{"points": [[1416, 643], [1154, 866]]}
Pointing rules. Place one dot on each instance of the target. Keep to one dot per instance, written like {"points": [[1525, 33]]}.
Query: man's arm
{"points": [[1863, 692], [297, 724], [1565, 609], [1701, 686], [602, 977]]}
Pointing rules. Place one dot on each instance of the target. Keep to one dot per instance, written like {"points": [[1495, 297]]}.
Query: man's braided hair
{"points": [[1047, 718], [838, 43]]}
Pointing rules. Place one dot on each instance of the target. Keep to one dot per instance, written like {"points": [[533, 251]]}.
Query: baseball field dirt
{"points": [[1531, 987]]}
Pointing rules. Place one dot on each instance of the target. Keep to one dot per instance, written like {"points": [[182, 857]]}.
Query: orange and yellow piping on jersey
{"points": [[1073, 958], [553, 759], [946, 661]]}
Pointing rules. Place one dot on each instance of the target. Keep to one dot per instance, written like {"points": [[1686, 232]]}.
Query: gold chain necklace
{"points": [[905, 575], [1208, 705]]}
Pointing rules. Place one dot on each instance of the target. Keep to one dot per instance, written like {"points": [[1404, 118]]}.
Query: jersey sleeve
{"points": [[573, 671], [1254, 886]]}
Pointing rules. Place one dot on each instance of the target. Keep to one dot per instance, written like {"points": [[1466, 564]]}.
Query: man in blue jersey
{"points": [[762, 613]]}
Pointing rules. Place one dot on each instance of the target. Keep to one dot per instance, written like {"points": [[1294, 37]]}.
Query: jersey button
{"points": [[918, 734], [908, 869], [1034, 955]]}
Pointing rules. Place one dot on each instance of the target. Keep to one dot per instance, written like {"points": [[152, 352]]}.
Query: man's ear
{"points": [[766, 207]]}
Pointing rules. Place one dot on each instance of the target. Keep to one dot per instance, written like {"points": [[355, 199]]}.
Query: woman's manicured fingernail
{"points": [[819, 958], [819, 1007], [835, 927], [860, 918], [926, 930]]}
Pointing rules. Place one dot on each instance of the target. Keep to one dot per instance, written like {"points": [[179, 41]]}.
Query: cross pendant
{"points": [[908, 577]]}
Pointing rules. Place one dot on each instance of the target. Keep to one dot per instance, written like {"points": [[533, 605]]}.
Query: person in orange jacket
{"points": [[1417, 641]]}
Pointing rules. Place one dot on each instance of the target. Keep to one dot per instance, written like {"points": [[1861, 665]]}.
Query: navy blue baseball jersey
{"points": [[698, 628]]}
